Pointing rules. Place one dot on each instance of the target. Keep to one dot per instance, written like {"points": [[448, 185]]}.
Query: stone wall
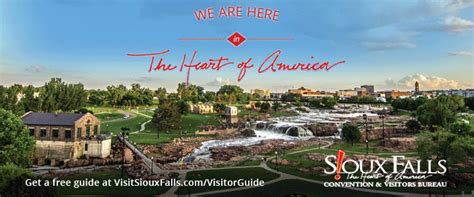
{"points": [[59, 150]]}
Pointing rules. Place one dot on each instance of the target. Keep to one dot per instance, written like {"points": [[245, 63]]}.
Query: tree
{"points": [[351, 133], [166, 117], [264, 107], [183, 107], [210, 96], [219, 107], [30, 102], [444, 145], [16, 145], [469, 101], [161, 92], [329, 102], [440, 112], [461, 128], [413, 125], [276, 106], [12, 183], [232, 94]]}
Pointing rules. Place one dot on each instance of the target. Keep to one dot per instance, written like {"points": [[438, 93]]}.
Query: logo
{"points": [[236, 39], [396, 167]]}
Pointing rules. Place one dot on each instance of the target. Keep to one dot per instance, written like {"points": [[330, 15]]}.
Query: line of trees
{"points": [[55, 95]]}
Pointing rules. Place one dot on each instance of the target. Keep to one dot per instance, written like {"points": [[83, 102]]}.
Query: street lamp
{"points": [[151, 165], [382, 116], [366, 134], [319, 144], [276, 162]]}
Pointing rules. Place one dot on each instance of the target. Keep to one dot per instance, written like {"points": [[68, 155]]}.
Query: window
{"points": [[67, 134], [79, 132], [86, 146], [43, 132], [88, 131], [96, 130], [55, 133], [32, 131]]}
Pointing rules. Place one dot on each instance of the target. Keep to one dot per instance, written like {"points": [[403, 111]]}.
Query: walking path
{"points": [[128, 115]]}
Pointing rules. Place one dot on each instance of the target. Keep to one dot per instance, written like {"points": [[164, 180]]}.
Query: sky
{"points": [[389, 44]]}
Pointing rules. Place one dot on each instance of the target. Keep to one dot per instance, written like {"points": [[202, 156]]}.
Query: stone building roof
{"points": [[44, 118]]}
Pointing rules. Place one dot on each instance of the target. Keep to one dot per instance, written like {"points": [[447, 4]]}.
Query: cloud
{"points": [[426, 83], [387, 45], [36, 68], [456, 24], [218, 81], [462, 53]]}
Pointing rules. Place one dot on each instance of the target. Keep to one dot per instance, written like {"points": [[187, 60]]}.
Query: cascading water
{"points": [[285, 128]]}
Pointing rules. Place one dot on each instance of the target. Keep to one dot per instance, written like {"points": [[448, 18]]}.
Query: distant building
{"points": [[369, 89], [346, 93], [231, 111], [275, 96], [305, 92], [417, 88], [62, 136], [397, 94], [202, 108], [262, 93], [361, 92], [464, 93]]}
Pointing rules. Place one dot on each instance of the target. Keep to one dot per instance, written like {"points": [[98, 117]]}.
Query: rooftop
{"points": [[44, 118]]}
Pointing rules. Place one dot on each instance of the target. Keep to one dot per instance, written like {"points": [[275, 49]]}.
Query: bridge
{"points": [[148, 162]]}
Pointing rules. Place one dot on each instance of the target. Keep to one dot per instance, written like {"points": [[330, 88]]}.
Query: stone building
{"points": [[231, 111], [61, 136], [202, 108], [261, 93]]}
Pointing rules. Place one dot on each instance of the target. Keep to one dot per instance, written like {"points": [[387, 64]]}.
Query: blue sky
{"points": [[389, 44]]}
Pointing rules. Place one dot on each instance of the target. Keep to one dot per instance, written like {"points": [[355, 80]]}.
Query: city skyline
{"points": [[430, 42]]}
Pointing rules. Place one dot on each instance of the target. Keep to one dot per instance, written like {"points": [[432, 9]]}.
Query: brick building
{"points": [[62, 136]]}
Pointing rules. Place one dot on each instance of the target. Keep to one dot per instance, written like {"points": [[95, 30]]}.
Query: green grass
{"points": [[249, 162], [108, 116], [286, 188], [115, 127], [244, 112], [228, 174], [191, 122], [109, 191]]}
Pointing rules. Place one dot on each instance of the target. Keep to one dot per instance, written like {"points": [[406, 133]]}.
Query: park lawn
{"points": [[98, 110], [249, 162], [115, 127], [227, 174], [108, 116], [244, 112], [107, 191], [292, 187], [147, 111], [191, 122]]}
